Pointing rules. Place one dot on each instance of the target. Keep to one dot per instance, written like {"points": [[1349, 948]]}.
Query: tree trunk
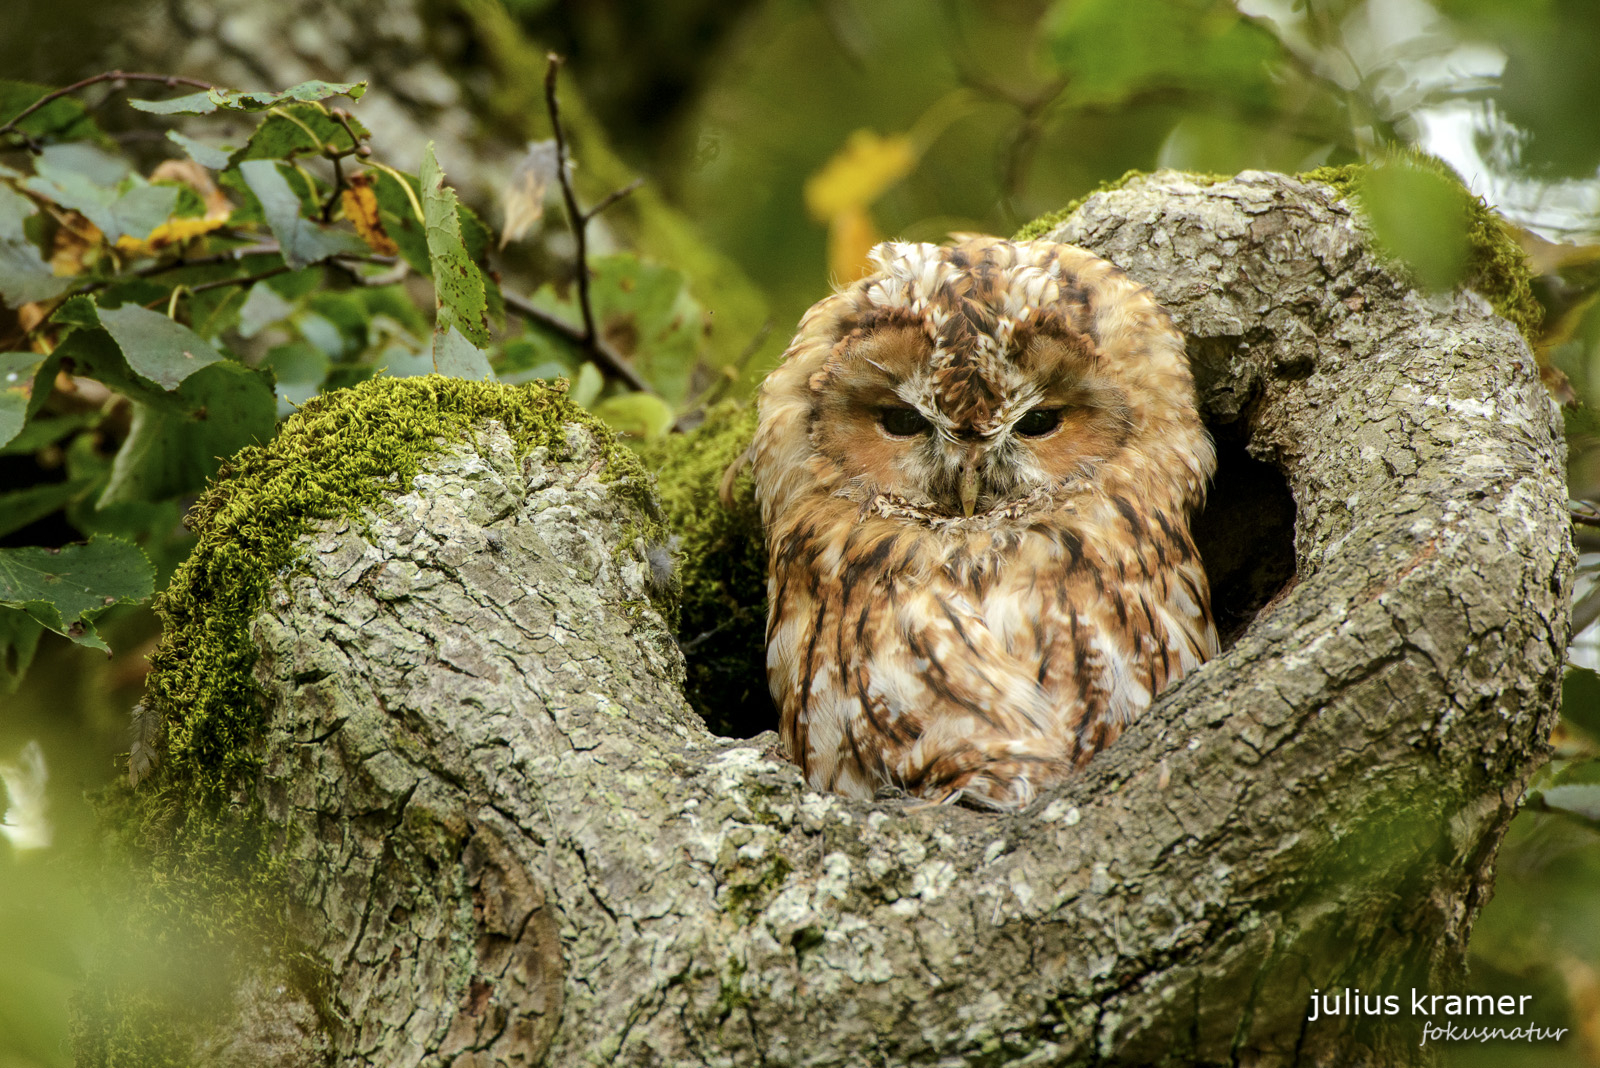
{"points": [[513, 842]]}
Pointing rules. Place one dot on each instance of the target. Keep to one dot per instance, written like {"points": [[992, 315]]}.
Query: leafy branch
{"points": [[119, 80]]}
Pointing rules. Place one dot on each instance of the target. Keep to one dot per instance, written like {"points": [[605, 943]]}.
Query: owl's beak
{"points": [[969, 482]]}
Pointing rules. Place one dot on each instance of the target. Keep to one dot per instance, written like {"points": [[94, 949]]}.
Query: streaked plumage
{"points": [[976, 468]]}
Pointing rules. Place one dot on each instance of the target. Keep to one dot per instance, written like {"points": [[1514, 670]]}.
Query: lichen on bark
{"points": [[509, 839]]}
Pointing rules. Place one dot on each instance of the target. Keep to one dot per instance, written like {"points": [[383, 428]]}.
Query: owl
{"points": [[976, 468]]}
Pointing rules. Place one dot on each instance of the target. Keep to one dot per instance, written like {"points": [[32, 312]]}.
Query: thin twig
{"points": [[589, 339], [171, 81], [728, 374], [338, 188], [244, 280], [358, 148], [266, 248], [576, 220], [608, 359], [357, 145], [611, 198]]}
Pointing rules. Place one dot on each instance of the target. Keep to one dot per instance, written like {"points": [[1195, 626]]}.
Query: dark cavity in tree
{"points": [[1245, 534]]}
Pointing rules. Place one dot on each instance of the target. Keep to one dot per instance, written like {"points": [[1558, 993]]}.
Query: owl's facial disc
{"points": [[894, 428]]}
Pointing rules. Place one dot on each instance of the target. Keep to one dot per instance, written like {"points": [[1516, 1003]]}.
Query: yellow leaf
{"points": [[859, 173], [851, 235], [171, 232], [361, 208]]}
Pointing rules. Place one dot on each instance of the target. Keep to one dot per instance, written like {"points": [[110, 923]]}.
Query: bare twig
{"points": [[357, 145], [589, 339], [265, 248], [608, 359], [1024, 140], [338, 188], [358, 148], [1585, 512], [727, 375], [575, 218], [611, 198], [171, 81]]}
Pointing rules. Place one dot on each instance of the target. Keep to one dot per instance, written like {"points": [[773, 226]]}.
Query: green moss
{"points": [[1051, 219], [195, 825], [1496, 268], [340, 455], [723, 567]]}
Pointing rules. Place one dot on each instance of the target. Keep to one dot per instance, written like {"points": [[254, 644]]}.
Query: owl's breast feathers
{"points": [[993, 661], [988, 655]]}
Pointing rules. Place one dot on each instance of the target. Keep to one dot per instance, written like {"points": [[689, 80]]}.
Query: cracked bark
{"points": [[518, 845]]}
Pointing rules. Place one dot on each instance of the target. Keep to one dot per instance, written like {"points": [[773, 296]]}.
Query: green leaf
{"points": [[302, 240], [1580, 700], [458, 286], [93, 354], [24, 274], [1582, 421], [22, 507], [299, 370], [399, 214], [121, 204], [299, 130], [262, 308], [214, 157], [1549, 85], [25, 379], [398, 361], [646, 312], [1579, 799], [208, 101], [215, 311], [457, 357], [157, 348], [1419, 216], [41, 432], [65, 589], [63, 119], [19, 638], [586, 385], [1112, 50], [168, 453], [640, 415]]}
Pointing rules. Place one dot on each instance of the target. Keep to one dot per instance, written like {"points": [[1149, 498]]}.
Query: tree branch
{"points": [[604, 356], [505, 781], [169, 80]]}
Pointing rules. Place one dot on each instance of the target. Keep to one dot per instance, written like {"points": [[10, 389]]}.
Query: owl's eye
{"points": [[903, 422], [1039, 422]]}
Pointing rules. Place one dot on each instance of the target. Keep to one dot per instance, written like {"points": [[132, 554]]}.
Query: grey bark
{"points": [[519, 846]]}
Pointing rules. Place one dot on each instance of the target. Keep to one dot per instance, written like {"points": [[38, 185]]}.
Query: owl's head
{"points": [[969, 380]]}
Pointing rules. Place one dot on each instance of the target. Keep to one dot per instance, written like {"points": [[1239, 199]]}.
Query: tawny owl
{"points": [[977, 467]]}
